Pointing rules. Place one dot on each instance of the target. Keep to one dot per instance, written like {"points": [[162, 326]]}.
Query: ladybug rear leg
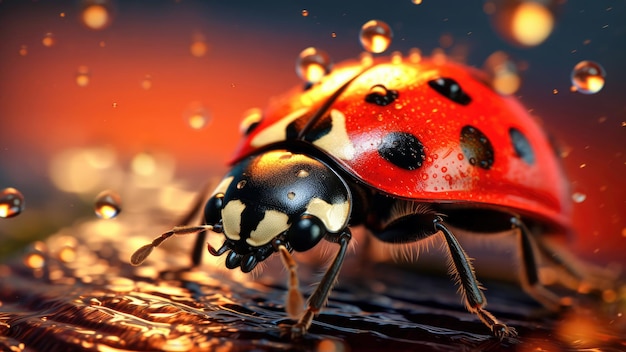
{"points": [[471, 291], [529, 269], [577, 275]]}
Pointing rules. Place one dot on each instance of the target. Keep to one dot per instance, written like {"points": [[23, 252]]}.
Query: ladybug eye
{"points": [[251, 119], [305, 233], [521, 146], [213, 208], [381, 96], [450, 89]]}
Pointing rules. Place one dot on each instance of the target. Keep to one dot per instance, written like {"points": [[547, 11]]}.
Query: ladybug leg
{"points": [[529, 268], [294, 301], [578, 275], [471, 291], [320, 295]]}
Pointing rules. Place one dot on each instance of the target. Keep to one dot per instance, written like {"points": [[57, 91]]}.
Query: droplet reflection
{"points": [[82, 76], [11, 202], [375, 36], [108, 204], [578, 197], [588, 77], [312, 65]]}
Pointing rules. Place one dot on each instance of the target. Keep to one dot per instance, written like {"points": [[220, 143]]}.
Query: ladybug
{"points": [[405, 150]]}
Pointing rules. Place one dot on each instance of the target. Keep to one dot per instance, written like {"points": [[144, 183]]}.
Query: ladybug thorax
{"points": [[264, 194]]}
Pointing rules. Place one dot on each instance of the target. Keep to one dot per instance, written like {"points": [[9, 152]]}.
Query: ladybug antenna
{"points": [[142, 253]]}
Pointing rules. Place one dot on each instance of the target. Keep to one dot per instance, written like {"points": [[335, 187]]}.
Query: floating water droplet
{"points": [[108, 204], [143, 164], [11, 202], [446, 40], [23, 50], [96, 14], [199, 48], [197, 121], [588, 77], [48, 40], [578, 197], [305, 13], [82, 76], [312, 65], [523, 22], [396, 57], [196, 116], [415, 55], [366, 59], [35, 260], [333, 35], [555, 91], [375, 36], [502, 72], [146, 83], [67, 254]]}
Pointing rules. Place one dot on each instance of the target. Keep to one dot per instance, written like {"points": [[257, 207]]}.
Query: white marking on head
{"points": [[231, 219], [337, 141], [334, 216], [278, 131], [273, 223]]}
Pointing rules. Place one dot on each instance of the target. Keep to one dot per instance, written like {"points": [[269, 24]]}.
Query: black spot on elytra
{"points": [[381, 96], [476, 147], [521, 145], [450, 89], [402, 149]]}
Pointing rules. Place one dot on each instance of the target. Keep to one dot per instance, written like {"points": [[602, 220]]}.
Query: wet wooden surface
{"points": [[76, 292]]}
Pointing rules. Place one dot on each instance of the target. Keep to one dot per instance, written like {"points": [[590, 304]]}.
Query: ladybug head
{"points": [[274, 198]]}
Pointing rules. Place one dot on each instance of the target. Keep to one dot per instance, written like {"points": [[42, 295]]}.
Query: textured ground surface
{"points": [[76, 291]]}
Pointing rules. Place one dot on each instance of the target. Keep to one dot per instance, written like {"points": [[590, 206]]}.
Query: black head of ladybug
{"points": [[273, 198]]}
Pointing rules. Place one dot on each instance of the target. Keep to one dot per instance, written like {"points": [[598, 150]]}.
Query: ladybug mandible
{"points": [[407, 151]]}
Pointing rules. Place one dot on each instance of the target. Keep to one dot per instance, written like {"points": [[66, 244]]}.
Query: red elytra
{"points": [[444, 171]]}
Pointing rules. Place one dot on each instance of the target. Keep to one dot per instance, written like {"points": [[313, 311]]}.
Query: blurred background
{"points": [[116, 95]]}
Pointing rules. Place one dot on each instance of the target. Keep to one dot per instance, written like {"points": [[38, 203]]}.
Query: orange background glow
{"points": [[153, 65]]}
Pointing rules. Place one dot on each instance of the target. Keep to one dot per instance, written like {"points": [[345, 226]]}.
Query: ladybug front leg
{"points": [[470, 288], [320, 296]]}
